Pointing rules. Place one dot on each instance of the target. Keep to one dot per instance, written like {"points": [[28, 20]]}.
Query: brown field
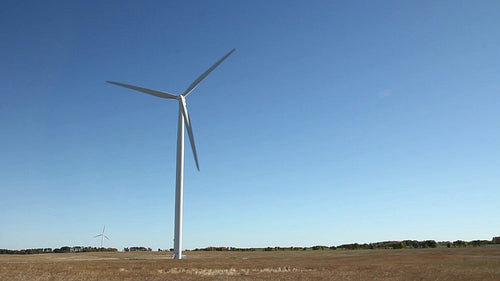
{"points": [[406, 264]]}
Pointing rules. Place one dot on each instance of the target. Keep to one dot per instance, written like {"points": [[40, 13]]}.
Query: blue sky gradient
{"points": [[333, 122]]}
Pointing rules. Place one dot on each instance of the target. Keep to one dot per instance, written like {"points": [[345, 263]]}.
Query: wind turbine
{"points": [[183, 120], [102, 236]]}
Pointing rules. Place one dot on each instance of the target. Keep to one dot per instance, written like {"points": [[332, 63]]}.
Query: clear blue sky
{"points": [[333, 122]]}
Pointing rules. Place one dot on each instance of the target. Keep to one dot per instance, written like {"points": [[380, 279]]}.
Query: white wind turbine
{"points": [[102, 236], [183, 121]]}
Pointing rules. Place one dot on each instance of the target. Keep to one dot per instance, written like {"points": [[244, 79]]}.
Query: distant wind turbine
{"points": [[183, 120], [102, 236]]}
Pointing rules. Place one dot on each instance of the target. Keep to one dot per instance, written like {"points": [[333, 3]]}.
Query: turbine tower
{"points": [[102, 236], [182, 121]]}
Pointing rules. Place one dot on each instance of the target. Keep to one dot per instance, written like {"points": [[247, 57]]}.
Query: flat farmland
{"points": [[481, 263]]}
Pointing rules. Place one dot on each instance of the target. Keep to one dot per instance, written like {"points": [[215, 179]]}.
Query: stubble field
{"points": [[405, 264]]}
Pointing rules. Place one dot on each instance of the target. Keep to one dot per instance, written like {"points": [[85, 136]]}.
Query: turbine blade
{"points": [[103, 229], [187, 121], [97, 235], [106, 237], [197, 81], [147, 91]]}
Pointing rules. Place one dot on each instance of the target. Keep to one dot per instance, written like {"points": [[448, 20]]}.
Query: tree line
{"points": [[138, 249], [353, 246], [405, 244], [65, 249]]}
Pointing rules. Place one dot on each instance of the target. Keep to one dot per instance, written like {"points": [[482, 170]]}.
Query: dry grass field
{"points": [[406, 264]]}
